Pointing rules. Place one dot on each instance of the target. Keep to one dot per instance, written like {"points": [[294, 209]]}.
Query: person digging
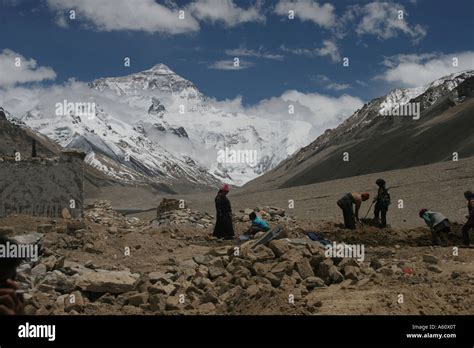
{"points": [[438, 224], [257, 225], [347, 203]]}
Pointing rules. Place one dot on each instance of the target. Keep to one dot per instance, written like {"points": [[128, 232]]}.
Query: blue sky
{"points": [[277, 54]]}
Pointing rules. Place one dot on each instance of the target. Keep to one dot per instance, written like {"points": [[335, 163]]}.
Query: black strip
{"points": [[288, 330]]}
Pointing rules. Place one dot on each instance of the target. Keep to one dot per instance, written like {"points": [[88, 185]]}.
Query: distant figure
{"points": [[258, 225], [11, 303], [470, 218], [224, 227], [438, 224], [382, 201], [346, 202]]}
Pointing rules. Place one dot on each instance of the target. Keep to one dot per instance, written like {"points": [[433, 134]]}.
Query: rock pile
{"points": [[228, 279], [101, 212], [273, 214], [217, 280], [171, 212]]}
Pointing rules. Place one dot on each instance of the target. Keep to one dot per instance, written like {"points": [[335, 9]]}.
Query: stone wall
{"points": [[42, 186]]}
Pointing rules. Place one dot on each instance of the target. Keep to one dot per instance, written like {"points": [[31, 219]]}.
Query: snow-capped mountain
{"points": [[427, 95], [155, 125], [377, 143]]}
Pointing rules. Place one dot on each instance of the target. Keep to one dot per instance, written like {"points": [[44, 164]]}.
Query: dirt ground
{"points": [[448, 289]]}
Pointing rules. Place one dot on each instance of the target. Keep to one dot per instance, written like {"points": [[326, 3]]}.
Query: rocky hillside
{"points": [[376, 143]]}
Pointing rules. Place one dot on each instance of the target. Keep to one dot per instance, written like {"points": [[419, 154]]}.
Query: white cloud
{"points": [[308, 10], [414, 70], [245, 52], [137, 15], [27, 71], [319, 110], [226, 12], [326, 82], [328, 49], [229, 65], [382, 20], [338, 86]]}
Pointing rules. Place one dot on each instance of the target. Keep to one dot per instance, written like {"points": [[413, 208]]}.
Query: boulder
{"points": [[334, 275], [163, 278], [188, 264], [279, 246], [207, 308], [288, 284], [283, 267], [261, 269], [203, 259], [157, 302], [434, 268], [430, 259], [137, 299], [172, 303], [313, 282], [252, 290], [304, 269], [73, 226], [347, 261], [260, 253], [215, 271], [242, 272], [210, 296], [59, 281], [74, 301], [49, 262], [351, 272], [237, 262], [38, 271], [274, 279], [221, 251], [323, 268], [115, 282]]}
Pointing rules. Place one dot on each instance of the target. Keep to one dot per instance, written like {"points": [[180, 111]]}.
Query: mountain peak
{"points": [[161, 68]]}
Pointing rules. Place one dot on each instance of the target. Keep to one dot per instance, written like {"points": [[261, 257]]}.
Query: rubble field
{"points": [[110, 264]]}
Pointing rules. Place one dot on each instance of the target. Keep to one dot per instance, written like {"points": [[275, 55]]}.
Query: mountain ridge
{"points": [[322, 159]]}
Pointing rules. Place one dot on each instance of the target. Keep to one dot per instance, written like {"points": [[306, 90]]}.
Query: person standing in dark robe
{"points": [[224, 227]]}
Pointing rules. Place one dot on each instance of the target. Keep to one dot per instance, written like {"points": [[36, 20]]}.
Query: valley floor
{"points": [[437, 186]]}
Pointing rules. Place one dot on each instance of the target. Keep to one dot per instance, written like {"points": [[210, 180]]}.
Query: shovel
{"points": [[369, 209]]}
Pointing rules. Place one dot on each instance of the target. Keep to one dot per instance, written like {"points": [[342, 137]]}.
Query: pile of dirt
{"points": [[373, 236]]}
